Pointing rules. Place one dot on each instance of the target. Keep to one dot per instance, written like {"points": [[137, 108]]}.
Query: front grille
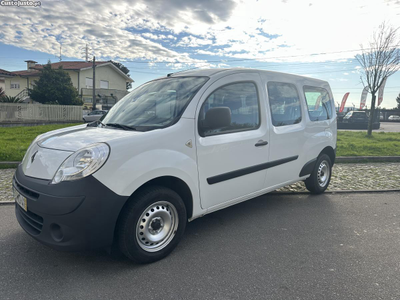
{"points": [[26, 192], [32, 222]]}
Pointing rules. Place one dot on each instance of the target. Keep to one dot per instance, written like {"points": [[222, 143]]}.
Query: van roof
{"points": [[212, 72]]}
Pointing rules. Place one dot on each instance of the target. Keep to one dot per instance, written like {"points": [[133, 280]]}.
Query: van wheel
{"points": [[319, 179], [151, 224]]}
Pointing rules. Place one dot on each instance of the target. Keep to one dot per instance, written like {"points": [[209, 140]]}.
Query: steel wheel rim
{"points": [[323, 173], [157, 226]]}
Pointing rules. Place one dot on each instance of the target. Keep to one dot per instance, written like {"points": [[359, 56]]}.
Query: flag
{"points": [[363, 97], [380, 93], [343, 102]]}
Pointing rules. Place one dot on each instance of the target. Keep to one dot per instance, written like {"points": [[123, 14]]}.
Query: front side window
{"points": [[284, 103], [242, 101], [156, 104], [318, 102]]}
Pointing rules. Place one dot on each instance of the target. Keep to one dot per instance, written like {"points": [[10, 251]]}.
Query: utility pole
{"points": [[87, 53], [60, 53], [94, 83]]}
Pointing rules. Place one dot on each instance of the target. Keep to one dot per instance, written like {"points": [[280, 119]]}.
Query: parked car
{"points": [[173, 150], [394, 118], [94, 115], [356, 117]]}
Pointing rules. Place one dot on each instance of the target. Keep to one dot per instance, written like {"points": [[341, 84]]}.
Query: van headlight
{"points": [[82, 163]]}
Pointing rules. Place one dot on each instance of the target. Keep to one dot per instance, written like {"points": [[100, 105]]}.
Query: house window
{"points": [[103, 84], [89, 82], [14, 85]]}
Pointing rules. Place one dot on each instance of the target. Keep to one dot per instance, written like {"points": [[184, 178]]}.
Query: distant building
{"points": [[3, 75], [110, 81]]}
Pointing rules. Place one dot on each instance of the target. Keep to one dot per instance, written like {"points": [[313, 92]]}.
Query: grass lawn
{"points": [[352, 143], [15, 140]]}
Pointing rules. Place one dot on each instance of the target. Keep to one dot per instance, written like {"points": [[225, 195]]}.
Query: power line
{"points": [[234, 60], [244, 59]]}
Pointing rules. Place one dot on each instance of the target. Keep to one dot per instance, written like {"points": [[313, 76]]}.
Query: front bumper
{"points": [[68, 216]]}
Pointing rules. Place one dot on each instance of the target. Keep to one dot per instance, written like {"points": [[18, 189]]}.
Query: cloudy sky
{"points": [[156, 37]]}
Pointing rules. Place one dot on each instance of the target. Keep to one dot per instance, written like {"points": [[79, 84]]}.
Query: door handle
{"points": [[261, 143]]}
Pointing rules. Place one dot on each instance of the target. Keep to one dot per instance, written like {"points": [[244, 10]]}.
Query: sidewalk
{"points": [[358, 177], [345, 177]]}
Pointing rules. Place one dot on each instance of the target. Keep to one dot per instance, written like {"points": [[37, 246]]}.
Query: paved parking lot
{"points": [[332, 246]]}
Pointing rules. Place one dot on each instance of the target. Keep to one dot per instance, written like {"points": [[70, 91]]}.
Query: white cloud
{"points": [[265, 30], [191, 41]]}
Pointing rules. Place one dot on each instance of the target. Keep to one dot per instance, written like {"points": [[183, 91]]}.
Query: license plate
{"points": [[21, 200]]}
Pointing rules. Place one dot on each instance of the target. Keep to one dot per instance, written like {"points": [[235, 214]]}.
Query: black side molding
{"points": [[249, 170], [308, 168]]}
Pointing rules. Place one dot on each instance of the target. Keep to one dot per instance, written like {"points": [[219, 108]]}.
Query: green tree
{"points": [[54, 87], [125, 70], [9, 99], [398, 101]]}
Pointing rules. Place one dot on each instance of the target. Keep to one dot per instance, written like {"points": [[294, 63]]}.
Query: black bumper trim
{"points": [[34, 222], [85, 211], [308, 168]]}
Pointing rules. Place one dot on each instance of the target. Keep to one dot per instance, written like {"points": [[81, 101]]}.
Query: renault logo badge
{"points": [[33, 157]]}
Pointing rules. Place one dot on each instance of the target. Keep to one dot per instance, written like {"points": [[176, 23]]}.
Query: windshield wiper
{"points": [[94, 124], [117, 125]]}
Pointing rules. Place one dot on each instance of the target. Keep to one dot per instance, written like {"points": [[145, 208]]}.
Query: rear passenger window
{"points": [[318, 102], [284, 103], [242, 100]]}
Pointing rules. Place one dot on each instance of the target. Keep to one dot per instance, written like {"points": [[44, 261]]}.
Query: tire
{"points": [[319, 179], [151, 225]]}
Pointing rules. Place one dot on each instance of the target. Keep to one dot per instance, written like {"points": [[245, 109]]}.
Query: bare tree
{"points": [[378, 62]]}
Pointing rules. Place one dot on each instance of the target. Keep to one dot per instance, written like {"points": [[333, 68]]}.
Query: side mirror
{"points": [[217, 117]]}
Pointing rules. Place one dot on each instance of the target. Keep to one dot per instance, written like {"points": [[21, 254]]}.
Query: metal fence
{"points": [[39, 113]]}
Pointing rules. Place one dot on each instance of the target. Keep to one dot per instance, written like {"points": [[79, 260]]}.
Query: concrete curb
{"points": [[355, 159], [9, 162]]}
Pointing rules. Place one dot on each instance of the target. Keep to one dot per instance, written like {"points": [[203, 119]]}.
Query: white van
{"points": [[173, 150]]}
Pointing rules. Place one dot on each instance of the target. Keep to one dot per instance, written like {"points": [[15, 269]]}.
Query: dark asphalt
{"points": [[333, 246]]}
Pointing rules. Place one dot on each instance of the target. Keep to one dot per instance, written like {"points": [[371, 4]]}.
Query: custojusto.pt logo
{"points": [[20, 3]]}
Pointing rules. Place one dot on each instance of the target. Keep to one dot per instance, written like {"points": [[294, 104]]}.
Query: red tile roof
{"points": [[25, 73], [67, 65], [71, 65], [4, 72]]}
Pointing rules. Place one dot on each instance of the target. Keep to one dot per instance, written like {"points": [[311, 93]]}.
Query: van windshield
{"points": [[156, 104]]}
